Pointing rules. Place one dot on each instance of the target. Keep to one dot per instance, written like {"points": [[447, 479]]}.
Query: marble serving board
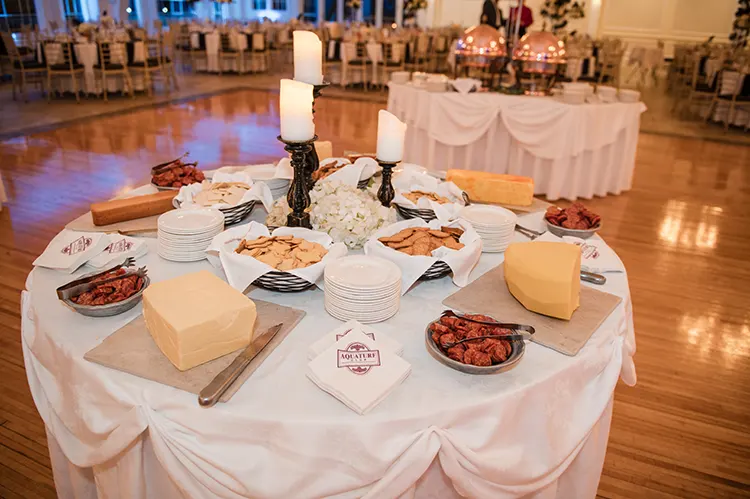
{"points": [[132, 350], [489, 295]]}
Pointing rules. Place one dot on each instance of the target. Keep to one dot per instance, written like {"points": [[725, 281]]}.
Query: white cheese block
{"points": [[197, 317], [545, 276]]}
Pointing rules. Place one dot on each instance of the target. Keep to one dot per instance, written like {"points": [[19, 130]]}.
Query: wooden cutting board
{"points": [[85, 223], [489, 295], [536, 205], [132, 350]]}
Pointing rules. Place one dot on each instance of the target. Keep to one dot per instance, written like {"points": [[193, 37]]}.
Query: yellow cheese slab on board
{"points": [[544, 276], [486, 187], [195, 318]]}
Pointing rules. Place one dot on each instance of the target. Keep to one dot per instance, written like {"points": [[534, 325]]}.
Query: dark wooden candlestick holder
{"points": [[299, 192], [386, 192], [312, 161]]}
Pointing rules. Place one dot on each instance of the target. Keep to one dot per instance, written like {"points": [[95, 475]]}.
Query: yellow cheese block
{"points": [[545, 276], [197, 317], [486, 187]]}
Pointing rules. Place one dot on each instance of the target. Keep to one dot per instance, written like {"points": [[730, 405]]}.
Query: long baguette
{"points": [[121, 210]]}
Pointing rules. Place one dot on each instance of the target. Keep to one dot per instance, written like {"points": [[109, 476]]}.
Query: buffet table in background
{"points": [[571, 151], [539, 430]]}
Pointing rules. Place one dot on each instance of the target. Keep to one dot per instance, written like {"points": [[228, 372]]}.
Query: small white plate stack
{"points": [[363, 288], [184, 235], [495, 225], [265, 173]]}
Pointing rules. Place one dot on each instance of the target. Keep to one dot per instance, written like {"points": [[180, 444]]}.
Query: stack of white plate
{"points": [[495, 225], [363, 288], [265, 173], [184, 235]]}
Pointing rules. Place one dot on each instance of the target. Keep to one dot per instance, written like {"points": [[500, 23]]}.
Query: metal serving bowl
{"points": [[518, 346], [112, 308], [581, 233]]}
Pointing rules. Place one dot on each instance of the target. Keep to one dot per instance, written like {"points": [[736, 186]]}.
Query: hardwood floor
{"points": [[682, 231]]}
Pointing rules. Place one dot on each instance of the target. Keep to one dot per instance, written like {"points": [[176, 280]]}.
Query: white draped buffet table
{"points": [[539, 430], [571, 151]]}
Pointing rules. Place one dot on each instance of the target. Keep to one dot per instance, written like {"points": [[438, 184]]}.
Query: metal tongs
{"points": [[162, 167], [525, 334], [86, 283]]}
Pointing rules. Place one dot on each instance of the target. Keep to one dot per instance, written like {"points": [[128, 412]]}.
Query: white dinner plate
{"points": [[362, 272], [191, 221], [488, 216]]}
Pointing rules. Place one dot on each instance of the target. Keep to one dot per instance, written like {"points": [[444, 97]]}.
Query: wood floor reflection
{"points": [[682, 231]]}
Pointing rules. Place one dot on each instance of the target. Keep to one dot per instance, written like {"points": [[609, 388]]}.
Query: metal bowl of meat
{"points": [[172, 175], [483, 351], [575, 221], [116, 294]]}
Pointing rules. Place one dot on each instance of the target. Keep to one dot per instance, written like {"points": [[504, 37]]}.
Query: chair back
{"points": [[393, 53], [167, 47], [111, 53], [423, 44], [66, 58], [10, 47], [225, 42], [259, 42]]}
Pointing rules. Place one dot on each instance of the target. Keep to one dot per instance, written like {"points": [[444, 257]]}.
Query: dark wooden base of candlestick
{"points": [[299, 191], [386, 193]]}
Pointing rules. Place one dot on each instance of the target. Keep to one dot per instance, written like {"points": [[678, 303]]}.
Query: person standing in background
{"points": [[527, 19], [491, 14]]}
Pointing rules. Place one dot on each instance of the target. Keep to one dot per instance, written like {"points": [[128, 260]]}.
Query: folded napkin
{"points": [[596, 255], [120, 248], [258, 191], [242, 270], [361, 169], [466, 85], [384, 341], [461, 262], [358, 371], [70, 249]]}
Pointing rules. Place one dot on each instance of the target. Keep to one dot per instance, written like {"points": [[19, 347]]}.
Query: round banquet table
{"points": [[539, 430], [570, 151]]}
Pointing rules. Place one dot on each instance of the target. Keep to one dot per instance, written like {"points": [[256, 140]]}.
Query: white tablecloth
{"points": [[539, 430], [87, 54], [570, 151]]}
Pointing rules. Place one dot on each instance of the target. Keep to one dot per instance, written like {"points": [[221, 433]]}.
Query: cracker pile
{"points": [[422, 240], [415, 196], [327, 169], [283, 252]]}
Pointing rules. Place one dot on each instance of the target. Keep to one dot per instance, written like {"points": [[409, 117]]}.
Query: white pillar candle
{"points": [[308, 57], [391, 135], [295, 109]]}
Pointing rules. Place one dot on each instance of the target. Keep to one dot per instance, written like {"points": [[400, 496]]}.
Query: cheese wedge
{"points": [[545, 276], [197, 317], [486, 187]]}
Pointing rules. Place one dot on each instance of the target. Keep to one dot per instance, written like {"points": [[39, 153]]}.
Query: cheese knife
{"points": [[216, 388]]}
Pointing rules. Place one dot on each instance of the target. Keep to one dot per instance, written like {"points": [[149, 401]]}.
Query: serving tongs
{"points": [[525, 333], [162, 167], [86, 283]]}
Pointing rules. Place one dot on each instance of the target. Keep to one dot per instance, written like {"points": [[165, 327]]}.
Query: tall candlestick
{"points": [[308, 57], [391, 135], [295, 108]]}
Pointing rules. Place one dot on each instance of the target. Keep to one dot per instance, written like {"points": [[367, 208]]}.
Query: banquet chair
{"points": [[151, 65], [392, 61], [28, 71], [227, 52], [439, 53], [182, 46], [113, 61], [420, 57], [198, 53], [65, 65], [729, 90], [698, 86], [259, 52], [354, 60], [167, 52]]}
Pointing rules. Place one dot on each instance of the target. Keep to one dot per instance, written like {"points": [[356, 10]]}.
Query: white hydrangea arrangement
{"points": [[346, 213]]}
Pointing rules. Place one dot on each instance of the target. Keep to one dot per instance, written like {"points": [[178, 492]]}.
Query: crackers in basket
{"points": [[230, 193], [415, 196], [422, 240], [283, 252], [328, 169]]}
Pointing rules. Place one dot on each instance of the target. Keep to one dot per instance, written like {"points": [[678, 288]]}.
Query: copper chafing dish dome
{"points": [[481, 41], [540, 51]]}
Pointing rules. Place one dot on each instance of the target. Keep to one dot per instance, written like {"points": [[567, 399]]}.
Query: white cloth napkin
{"points": [[461, 262], [383, 340], [119, 248], [466, 85], [358, 371], [242, 270], [414, 181], [596, 255], [258, 191], [70, 249], [362, 169]]}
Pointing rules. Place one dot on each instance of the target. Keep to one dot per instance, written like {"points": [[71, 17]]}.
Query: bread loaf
{"points": [[121, 210]]}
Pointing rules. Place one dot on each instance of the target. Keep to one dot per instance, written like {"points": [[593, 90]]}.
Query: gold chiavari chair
{"points": [[168, 50], [393, 60], [113, 61], [25, 70], [354, 61], [259, 52], [64, 65], [729, 90], [227, 52], [182, 46], [420, 58], [151, 65]]}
